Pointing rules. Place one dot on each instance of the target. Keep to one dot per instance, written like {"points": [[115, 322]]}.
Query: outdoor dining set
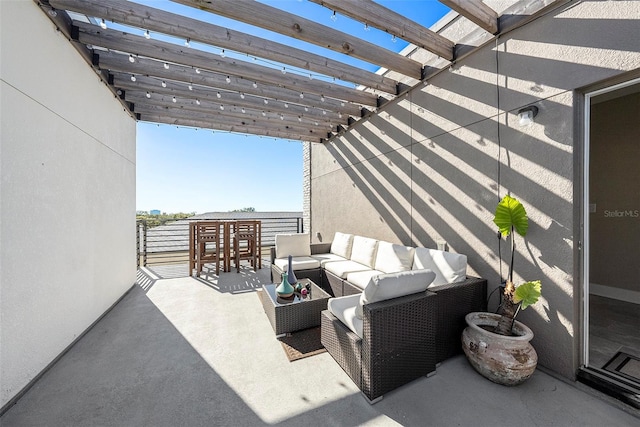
{"points": [[218, 242]]}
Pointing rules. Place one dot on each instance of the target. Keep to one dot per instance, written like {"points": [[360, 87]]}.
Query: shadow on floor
{"points": [[132, 368], [176, 352], [247, 280]]}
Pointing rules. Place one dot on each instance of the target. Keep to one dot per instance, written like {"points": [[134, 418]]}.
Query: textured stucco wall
{"points": [[306, 186], [434, 163], [67, 229]]}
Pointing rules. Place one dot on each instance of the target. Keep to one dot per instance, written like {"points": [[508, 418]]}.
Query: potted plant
{"points": [[497, 345]]}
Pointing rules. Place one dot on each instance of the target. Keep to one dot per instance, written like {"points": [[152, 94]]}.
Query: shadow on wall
{"points": [[434, 164]]}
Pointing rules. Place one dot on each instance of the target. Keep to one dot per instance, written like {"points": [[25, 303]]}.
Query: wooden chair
{"points": [[192, 246], [208, 244], [247, 241]]}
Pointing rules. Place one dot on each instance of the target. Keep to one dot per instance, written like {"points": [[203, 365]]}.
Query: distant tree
{"points": [[156, 220], [244, 210]]}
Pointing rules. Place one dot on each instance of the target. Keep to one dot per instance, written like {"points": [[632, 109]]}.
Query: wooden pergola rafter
{"points": [[170, 53], [384, 19], [297, 95]]}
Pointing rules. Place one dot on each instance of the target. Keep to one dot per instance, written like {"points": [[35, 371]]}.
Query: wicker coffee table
{"points": [[295, 313]]}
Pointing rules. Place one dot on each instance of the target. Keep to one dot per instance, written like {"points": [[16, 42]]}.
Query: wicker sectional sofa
{"points": [[398, 311]]}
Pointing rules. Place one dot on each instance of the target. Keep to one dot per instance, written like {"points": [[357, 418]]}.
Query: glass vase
{"points": [[290, 274], [284, 289]]}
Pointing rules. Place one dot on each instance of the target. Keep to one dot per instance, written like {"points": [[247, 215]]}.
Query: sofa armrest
{"points": [[398, 342], [320, 248], [272, 253], [454, 302]]}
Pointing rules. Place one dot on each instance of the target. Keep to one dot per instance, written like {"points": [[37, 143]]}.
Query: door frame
{"points": [[584, 238]]}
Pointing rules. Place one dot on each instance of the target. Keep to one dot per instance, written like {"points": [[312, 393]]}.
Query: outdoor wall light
{"points": [[527, 114]]}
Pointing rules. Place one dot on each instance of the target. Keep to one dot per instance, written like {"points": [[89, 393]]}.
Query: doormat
{"points": [[624, 364], [301, 344]]}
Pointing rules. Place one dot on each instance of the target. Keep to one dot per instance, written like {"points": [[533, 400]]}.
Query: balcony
{"points": [[179, 350]]}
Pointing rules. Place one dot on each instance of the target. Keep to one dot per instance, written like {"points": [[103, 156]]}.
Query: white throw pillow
{"points": [[293, 244], [448, 266], [364, 250], [392, 258], [394, 285], [341, 244]]}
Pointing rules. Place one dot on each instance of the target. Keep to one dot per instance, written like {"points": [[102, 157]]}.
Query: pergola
{"points": [[170, 83]]}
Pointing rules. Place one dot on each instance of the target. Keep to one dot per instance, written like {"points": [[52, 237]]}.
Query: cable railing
{"points": [[169, 243]]}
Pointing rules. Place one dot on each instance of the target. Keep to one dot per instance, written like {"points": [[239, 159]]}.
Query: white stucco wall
{"points": [[67, 189], [426, 167]]}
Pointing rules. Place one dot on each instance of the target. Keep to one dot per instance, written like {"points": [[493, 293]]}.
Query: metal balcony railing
{"points": [[169, 243]]}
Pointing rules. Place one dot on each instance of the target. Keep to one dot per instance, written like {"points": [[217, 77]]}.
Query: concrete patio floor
{"points": [[181, 351]]}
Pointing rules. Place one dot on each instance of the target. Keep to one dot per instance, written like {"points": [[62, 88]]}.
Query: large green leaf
{"points": [[528, 293], [511, 213]]}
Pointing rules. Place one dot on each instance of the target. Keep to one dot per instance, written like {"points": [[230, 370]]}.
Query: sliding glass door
{"points": [[612, 234]]}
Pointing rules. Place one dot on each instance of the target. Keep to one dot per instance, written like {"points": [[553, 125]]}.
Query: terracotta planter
{"points": [[506, 360]]}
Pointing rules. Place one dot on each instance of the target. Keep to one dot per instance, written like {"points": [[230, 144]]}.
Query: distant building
{"points": [[154, 212]]}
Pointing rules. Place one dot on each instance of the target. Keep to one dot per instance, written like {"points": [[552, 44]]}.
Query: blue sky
{"points": [[182, 169]]}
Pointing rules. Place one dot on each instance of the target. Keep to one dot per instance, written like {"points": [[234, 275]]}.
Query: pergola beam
{"points": [[273, 19], [224, 127], [62, 21], [145, 84], [477, 12], [387, 20], [142, 66], [275, 125], [208, 109], [151, 19], [169, 52]]}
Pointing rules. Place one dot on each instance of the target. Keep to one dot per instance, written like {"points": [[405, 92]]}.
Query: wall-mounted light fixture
{"points": [[527, 114]]}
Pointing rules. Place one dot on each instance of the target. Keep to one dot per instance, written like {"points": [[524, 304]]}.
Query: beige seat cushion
{"points": [[364, 250], [344, 308], [449, 267], [325, 258], [296, 245], [342, 268], [341, 244], [361, 278], [298, 263], [394, 285], [391, 258]]}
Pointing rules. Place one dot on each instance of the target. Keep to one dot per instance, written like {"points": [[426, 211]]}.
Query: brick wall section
{"points": [[306, 186]]}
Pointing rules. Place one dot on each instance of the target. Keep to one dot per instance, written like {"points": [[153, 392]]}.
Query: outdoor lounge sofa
{"points": [[414, 323]]}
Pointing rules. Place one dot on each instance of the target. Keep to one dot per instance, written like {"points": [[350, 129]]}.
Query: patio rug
{"points": [[624, 364], [301, 344]]}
